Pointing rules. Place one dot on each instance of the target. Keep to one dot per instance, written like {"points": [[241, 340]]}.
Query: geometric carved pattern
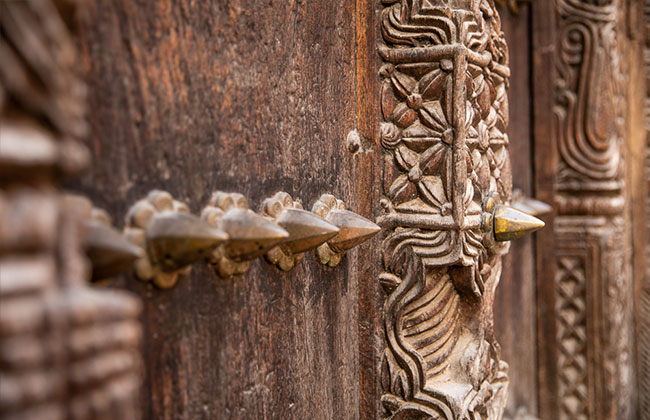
{"points": [[445, 115], [594, 318], [572, 337]]}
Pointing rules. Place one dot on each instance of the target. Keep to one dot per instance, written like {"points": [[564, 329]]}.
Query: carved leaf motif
{"points": [[403, 116], [402, 190], [404, 85], [433, 192], [406, 158], [388, 100], [433, 116], [432, 84], [484, 93], [419, 138], [433, 158]]}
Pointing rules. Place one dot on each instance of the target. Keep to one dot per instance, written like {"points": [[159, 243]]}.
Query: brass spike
{"points": [[510, 223], [177, 239], [306, 229], [251, 235], [109, 252], [353, 229], [529, 205]]}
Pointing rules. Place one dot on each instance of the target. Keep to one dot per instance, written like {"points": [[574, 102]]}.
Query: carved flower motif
{"points": [[420, 133]]}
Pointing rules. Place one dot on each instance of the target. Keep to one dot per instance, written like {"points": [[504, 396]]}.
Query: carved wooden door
{"points": [[244, 150]]}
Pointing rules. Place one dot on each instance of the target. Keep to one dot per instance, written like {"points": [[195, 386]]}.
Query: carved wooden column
{"points": [[585, 287], [445, 113], [67, 350]]}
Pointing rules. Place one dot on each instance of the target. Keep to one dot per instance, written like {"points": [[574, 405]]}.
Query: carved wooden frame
{"points": [[585, 287], [445, 110]]}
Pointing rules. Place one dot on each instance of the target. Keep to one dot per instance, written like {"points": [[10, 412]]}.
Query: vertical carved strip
{"points": [[445, 115], [592, 303]]}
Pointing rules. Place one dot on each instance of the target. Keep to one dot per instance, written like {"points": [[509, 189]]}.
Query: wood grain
{"points": [[515, 320], [239, 96]]}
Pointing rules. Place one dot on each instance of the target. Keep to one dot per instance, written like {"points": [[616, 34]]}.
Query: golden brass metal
{"points": [[306, 230], [529, 205], [353, 229], [172, 237], [109, 252], [251, 235], [175, 240], [510, 223]]}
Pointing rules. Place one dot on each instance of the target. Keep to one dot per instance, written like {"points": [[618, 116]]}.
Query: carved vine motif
{"points": [[445, 111]]}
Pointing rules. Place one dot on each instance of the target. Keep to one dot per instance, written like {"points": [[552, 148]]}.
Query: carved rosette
{"points": [[445, 115]]}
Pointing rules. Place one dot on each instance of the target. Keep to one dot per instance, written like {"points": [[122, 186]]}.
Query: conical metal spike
{"points": [[176, 239], [529, 205], [109, 252], [510, 223], [353, 229], [251, 235], [306, 229]]}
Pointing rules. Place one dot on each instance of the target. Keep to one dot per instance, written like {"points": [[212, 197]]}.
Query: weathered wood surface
{"points": [[514, 308], [247, 97]]}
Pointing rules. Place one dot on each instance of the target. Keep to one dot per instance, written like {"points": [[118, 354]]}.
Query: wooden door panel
{"points": [[247, 97]]}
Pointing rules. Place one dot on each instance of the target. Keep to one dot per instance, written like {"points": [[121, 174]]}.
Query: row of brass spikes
{"points": [[162, 239]]}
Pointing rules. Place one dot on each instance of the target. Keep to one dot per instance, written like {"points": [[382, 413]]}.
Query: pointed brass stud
{"points": [[353, 229], [250, 235], [510, 223], [173, 238], [529, 205], [109, 252], [176, 240], [306, 230]]}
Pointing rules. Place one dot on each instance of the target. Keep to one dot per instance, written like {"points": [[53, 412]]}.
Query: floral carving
{"points": [[445, 115]]}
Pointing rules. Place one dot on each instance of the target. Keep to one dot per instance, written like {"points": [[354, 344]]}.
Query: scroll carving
{"points": [[593, 283], [445, 114]]}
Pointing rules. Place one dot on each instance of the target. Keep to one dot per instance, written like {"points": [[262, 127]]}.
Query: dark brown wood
{"points": [[514, 308], [368, 171], [247, 97]]}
